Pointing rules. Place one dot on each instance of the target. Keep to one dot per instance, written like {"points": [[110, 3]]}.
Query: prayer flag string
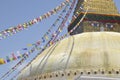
{"points": [[45, 38], [20, 27]]}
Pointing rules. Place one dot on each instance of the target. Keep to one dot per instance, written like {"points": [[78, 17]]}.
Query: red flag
{"points": [[13, 56]]}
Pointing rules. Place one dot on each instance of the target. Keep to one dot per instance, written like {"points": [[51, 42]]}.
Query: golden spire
{"points": [[97, 6]]}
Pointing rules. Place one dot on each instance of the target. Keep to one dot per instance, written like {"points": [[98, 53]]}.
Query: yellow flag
{"points": [[29, 45], [51, 43], [2, 61], [24, 25], [60, 30], [40, 17], [11, 59], [46, 37]]}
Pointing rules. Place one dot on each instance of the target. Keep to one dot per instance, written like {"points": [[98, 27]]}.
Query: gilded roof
{"points": [[97, 6]]}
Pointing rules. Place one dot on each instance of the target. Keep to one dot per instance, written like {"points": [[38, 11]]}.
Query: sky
{"points": [[14, 12]]}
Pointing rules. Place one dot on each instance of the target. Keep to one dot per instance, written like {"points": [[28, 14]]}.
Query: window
{"points": [[95, 24], [108, 25]]}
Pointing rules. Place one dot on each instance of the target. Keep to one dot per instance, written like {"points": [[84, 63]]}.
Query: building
{"points": [[92, 52], [101, 16]]}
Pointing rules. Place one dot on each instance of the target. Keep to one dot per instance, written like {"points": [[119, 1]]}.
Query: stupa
{"points": [[92, 52]]}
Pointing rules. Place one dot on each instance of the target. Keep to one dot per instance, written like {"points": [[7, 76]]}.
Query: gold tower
{"points": [[102, 15]]}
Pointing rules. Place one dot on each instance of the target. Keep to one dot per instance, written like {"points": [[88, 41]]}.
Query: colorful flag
{"points": [[2, 61], [46, 37], [19, 54], [25, 49], [43, 40], [8, 59], [29, 45], [13, 56]]}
